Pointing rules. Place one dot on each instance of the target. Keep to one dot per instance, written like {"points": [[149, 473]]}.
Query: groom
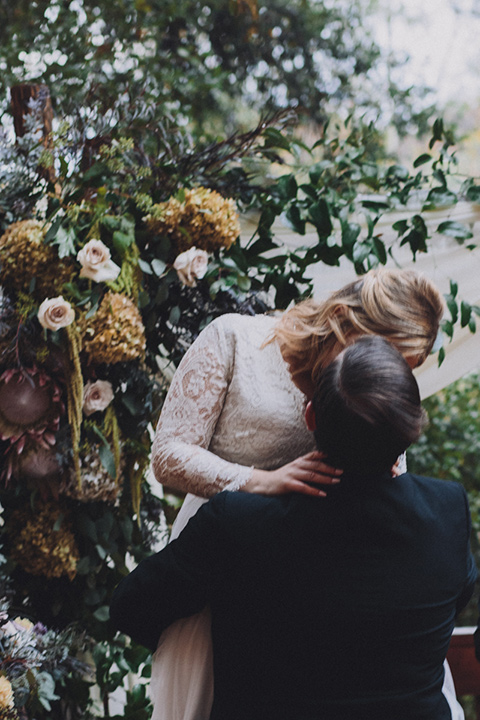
{"points": [[336, 608]]}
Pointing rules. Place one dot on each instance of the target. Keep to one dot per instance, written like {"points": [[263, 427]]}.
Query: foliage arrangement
{"points": [[37, 665], [204, 61], [448, 449]]}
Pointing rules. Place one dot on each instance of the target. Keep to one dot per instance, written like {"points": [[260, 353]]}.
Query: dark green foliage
{"points": [[200, 60]]}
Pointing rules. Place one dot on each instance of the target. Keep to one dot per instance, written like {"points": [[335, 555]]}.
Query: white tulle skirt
{"points": [[181, 687]]}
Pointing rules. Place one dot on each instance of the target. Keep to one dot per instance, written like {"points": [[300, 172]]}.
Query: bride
{"points": [[233, 419]]}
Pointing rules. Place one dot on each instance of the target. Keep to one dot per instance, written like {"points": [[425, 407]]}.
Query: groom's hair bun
{"points": [[367, 407]]}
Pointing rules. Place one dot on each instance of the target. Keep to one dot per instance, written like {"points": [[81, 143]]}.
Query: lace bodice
{"points": [[231, 407]]}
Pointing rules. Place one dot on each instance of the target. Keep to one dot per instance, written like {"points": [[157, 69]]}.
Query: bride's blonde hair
{"points": [[402, 306]]}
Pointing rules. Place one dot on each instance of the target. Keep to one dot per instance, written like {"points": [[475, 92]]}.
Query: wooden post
{"points": [[21, 96]]}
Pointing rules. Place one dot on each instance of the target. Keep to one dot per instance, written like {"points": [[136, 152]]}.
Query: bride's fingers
{"points": [[319, 468], [297, 486]]}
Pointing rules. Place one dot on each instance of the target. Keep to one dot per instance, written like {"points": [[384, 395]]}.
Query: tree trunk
{"points": [[21, 96]]}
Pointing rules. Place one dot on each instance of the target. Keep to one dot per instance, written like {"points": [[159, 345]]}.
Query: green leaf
{"points": [[244, 283], [175, 315], [102, 553], [145, 267], [473, 193], [102, 614], [453, 308], [320, 217], [86, 527], [46, 689], [465, 313], [422, 159], [437, 132], [379, 249], [376, 205], [287, 187], [441, 356], [401, 226], [447, 328], [83, 566], [65, 241], [398, 172], [416, 240], [158, 267], [453, 288], [294, 220], [455, 229], [58, 522], [274, 138], [440, 197], [439, 176], [108, 460], [122, 241]]}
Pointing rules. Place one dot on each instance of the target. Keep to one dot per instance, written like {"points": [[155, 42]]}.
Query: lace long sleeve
{"points": [[180, 455]]}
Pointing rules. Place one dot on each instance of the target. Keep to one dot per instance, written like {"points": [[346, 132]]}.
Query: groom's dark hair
{"points": [[367, 407]]}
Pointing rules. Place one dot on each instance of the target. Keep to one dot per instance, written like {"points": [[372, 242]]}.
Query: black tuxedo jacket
{"points": [[336, 608]]}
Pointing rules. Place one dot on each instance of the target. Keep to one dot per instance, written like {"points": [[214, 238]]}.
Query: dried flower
{"points": [[40, 546], [25, 257], [96, 262], [203, 219], [191, 266], [97, 396], [97, 485], [55, 313], [6, 693], [116, 333], [30, 402]]}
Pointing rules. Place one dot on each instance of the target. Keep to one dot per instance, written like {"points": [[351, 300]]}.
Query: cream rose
{"points": [[55, 313], [191, 266], [96, 262], [6, 693], [97, 396]]}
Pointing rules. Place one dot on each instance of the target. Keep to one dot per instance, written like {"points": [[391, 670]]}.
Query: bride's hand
{"points": [[300, 476]]}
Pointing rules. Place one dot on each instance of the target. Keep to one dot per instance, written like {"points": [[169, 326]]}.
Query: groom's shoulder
{"points": [[437, 493], [240, 506]]}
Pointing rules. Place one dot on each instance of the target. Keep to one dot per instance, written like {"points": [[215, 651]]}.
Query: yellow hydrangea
{"points": [[41, 549], [203, 219], [116, 332], [24, 255], [6, 693]]}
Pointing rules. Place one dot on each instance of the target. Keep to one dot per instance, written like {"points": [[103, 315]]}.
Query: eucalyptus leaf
{"points": [[145, 267], [158, 266]]}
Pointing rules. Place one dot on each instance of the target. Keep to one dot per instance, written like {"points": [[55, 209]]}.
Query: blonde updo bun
{"points": [[403, 306]]}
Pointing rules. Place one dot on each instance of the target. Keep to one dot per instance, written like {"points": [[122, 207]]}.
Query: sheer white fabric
{"points": [[231, 407]]}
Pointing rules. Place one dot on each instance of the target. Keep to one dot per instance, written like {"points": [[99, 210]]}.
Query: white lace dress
{"points": [[231, 407]]}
